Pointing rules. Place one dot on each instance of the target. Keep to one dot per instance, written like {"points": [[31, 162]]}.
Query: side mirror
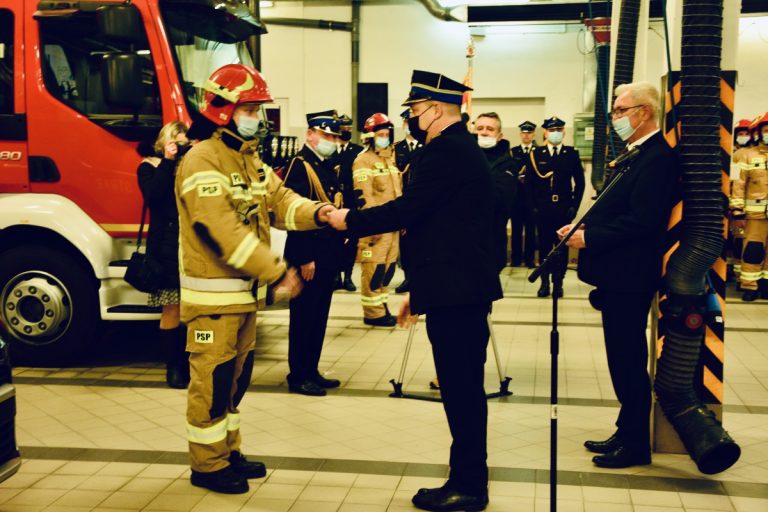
{"points": [[121, 22], [121, 80]]}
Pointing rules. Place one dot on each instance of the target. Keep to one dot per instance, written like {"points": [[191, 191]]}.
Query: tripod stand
{"points": [[398, 384], [553, 264]]}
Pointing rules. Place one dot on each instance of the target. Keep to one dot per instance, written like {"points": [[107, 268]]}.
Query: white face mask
{"points": [[623, 128], [486, 142], [326, 148], [555, 138], [248, 126], [742, 140], [381, 142], [765, 138]]}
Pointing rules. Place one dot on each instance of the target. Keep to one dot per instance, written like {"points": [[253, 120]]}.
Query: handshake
{"points": [[337, 218]]}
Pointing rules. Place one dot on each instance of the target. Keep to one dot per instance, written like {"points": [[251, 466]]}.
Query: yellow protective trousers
{"points": [[754, 257], [378, 259], [221, 364]]}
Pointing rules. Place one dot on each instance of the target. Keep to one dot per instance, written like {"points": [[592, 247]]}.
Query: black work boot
{"points": [[176, 359], [383, 321], [348, 284], [557, 291], [225, 481], [750, 295], [246, 468], [544, 288], [763, 286]]}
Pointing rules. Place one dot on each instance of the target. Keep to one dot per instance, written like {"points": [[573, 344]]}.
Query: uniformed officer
{"points": [[453, 276], [523, 225], [742, 140], [377, 181], [555, 185], [749, 207], [313, 173], [224, 194], [405, 150], [345, 155]]}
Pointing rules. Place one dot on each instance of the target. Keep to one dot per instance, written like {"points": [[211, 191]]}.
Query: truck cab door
{"points": [[14, 175]]}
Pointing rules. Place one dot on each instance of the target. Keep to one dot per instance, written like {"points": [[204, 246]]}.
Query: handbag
{"points": [[143, 273]]}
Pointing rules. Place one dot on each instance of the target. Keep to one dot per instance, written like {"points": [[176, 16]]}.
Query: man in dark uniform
{"points": [[554, 179], [404, 153], [317, 254], [621, 253], [446, 212], [523, 225], [344, 158]]}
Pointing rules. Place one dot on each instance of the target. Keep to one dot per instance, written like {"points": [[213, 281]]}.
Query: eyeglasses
{"points": [[620, 111]]}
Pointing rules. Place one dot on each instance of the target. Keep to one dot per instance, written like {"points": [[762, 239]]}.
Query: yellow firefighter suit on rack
{"points": [[750, 197], [379, 181], [225, 195]]}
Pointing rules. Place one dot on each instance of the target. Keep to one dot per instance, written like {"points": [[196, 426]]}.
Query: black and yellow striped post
{"points": [[709, 380]]}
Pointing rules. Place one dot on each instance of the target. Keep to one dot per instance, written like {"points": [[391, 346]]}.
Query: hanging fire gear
{"points": [[750, 201], [225, 197], [377, 180]]}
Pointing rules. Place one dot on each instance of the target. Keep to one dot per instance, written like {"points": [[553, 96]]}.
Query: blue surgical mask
{"points": [[381, 142], [765, 138], [623, 128], [555, 138], [326, 148], [742, 140], [248, 126]]}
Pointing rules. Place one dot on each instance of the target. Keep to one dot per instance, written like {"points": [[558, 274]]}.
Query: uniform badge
{"points": [[209, 190], [204, 337], [367, 254], [236, 179]]}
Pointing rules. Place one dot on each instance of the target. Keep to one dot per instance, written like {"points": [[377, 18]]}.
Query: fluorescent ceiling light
{"points": [[266, 3], [517, 29]]}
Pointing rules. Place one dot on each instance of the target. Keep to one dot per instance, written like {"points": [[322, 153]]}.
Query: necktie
{"points": [[554, 150], [526, 149], [411, 145]]}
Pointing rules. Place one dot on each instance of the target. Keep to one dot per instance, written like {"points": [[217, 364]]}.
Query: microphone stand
{"points": [[552, 265]]}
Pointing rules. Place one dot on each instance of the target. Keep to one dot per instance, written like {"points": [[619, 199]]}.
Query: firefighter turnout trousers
{"points": [[221, 363], [378, 259], [754, 258]]}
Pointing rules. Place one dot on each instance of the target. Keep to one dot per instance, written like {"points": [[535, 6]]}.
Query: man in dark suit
{"points": [[317, 253], [621, 245], [523, 225], [452, 273], [344, 158], [554, 182]]}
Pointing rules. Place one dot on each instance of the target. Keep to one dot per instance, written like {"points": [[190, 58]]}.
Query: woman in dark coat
{"points": [[156, 180]]}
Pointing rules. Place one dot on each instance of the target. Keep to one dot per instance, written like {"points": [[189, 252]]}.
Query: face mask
{"points": [[555, 138], [326, 148], [765, 138], [486, 142], [623, 127], [346, 136], [416, 132], [381, 142], [182, 148], [248, 126], [742, 140]]}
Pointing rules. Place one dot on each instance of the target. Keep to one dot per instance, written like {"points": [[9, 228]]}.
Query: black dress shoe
{"points": [[382, 321], [750, 296], [338, 283], [246, 468], [543, 290], [225, 481], [606, 446], [326, 383], [306, 387], [557, 291], [403, 287], [176, 377], [446, 499], [349, 285], [623, 457]]}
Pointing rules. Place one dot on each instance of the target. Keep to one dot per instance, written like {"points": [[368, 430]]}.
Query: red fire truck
{"points": [[81, 83]]}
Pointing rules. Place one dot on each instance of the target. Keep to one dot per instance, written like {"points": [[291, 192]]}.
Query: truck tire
{"points": [[48, 303]]}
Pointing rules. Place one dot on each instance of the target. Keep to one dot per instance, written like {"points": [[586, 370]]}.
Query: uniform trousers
{"points": [[547, 224], [459, 338], [523, 231], [349, 256], [308, 320], [625, 318], [221, 364], [378, 258], [754, 257]]}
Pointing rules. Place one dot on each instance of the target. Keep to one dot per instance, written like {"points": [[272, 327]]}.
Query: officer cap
{"points": [[426, 85], [405, 114], [326, 121], [527, 127], [553, 122], [345, 120]]}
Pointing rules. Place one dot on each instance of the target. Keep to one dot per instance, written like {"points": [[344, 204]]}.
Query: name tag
{"points": [[204, 337], [367, 254], [210, 190]]}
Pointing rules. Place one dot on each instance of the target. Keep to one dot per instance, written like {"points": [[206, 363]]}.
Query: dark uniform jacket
{"points": [[404, 155], [522, 162], [556, 194], [504, 176], [157, 188], [322, 246], [448, 217], [625, 230], [344, 160]]}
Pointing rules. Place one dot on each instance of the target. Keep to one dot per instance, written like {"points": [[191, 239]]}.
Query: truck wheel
{"points": [[49, 304]]}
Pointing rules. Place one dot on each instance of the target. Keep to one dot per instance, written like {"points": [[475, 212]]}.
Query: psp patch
{"points": [[204, 337], [209, 190]]}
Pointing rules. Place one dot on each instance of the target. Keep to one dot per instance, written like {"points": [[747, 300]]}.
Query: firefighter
{"points": [[554, 182], [224, 195], [742, 138], [749, 208], [377, 181]]}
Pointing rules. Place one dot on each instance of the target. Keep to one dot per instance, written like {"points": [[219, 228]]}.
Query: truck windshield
{"points": [[202, 43]]}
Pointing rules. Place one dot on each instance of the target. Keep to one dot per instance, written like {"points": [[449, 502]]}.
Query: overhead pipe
{"points": [[345, 26], [442, 13], [708, 444]]}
